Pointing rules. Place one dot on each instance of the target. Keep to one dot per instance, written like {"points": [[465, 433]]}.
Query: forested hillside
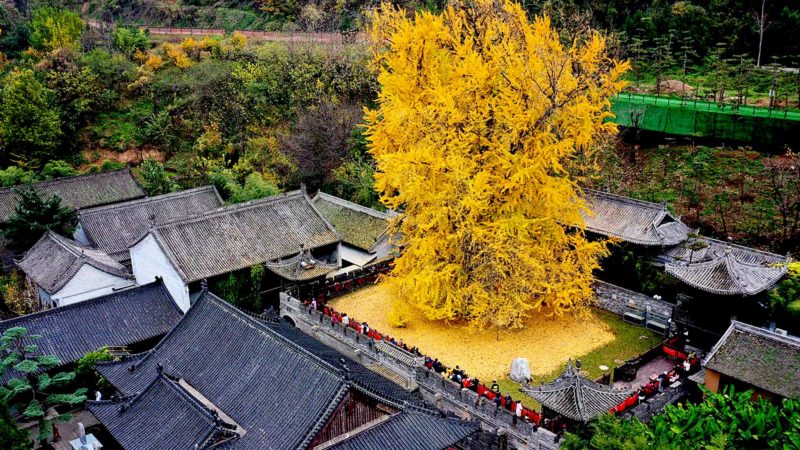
{"points": [[252, 117], [256, 117]]}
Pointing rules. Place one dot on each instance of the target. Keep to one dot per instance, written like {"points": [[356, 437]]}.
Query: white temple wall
{"points": [[87, 284], [149, 261]]}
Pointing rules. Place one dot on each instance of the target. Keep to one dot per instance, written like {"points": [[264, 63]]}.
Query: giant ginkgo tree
{"points": [[480, 118]]}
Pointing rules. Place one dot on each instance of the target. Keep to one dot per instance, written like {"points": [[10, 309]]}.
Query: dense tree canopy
{"points": [[30, 125], [480, 115], [53, 28], [726, 420]]}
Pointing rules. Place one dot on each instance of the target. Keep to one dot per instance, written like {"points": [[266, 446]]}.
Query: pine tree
{"points": [[12, 438], [480, 117], [33, 215]]}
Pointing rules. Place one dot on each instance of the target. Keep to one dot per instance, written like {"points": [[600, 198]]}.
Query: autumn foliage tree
{"points": [[480, 118]]}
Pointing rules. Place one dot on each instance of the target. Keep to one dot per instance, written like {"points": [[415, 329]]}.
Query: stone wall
{"points": [[615, 299], [655, 405]]}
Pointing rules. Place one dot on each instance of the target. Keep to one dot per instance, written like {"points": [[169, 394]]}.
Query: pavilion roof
{"points": [[725, 269], [576, 397], [80, 191], [54, 260], [759, 357], [113, 228], [264, 376], [359, 226], [631, 220], [301, 267], [239, 236]]}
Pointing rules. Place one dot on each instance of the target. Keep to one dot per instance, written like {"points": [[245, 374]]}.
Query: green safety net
{"points": [[705, 119]]}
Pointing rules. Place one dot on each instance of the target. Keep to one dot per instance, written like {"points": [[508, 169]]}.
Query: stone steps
{"points": [[402, 381]]}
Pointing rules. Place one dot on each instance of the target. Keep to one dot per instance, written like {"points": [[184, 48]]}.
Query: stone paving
{"points": [[654, 367], [67, 430]]}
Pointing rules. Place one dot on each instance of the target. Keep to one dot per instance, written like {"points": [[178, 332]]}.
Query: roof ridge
{"points": [[72, 177], [737, 325], [355, 206], [101, 299], [86, 256], [741, 247], [70, 269], [140, 358], [228, 209], [277, 336], [66, 243], [324, 219], [746, 327], [146, 200], [183, 393], [623, 198]]}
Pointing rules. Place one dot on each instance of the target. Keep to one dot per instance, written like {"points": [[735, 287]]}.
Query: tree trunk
{"points": [[762, 19]]}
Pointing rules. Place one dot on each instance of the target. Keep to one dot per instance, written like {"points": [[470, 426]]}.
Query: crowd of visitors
{"points": [[687, 364], [333, 288], [456, 375]]}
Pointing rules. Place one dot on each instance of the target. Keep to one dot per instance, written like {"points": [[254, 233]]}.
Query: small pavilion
{"points": [[576, 397]]}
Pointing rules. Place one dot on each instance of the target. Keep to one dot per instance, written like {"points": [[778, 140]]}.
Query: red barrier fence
{"points": [[274, 36], [186, 31]]}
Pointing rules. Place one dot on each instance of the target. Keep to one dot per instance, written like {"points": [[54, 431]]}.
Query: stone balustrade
{"points": [[445, 394]]}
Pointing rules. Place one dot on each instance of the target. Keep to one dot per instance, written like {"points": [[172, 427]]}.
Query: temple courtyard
{"points": [[599, 339]]}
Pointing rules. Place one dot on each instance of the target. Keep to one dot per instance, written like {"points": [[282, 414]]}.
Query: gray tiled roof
{"points": [[256, 373], [54, 260], [409, 430], [725, 269], [363, 378], [81, 191], [113, 228], [576, 397], [164, 413], [758, 357], [116, 320], [631, 220], [240, 236], [359, 226]]}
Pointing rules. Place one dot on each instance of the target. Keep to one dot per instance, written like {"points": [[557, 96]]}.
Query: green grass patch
{"points": [[120, 130], [631, 340]]}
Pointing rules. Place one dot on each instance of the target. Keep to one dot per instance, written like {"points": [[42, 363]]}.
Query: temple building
{"points": [[225, 378], [129, 319], [631, 220], [749, 357], [699, 262], [113, 228], [285, 232], [82, 191], [365, 231], [66, 272], [576, 397], [722, 268]]}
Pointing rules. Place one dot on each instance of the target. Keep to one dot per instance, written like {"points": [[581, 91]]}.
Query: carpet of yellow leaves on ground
{"points": [[547, 343]]}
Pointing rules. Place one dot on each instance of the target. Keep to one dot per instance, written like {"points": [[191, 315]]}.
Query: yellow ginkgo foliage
{"points": [[480, 112]]}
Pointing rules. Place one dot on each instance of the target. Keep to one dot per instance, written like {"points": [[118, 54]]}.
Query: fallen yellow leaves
{"points": [[547, 343]]}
